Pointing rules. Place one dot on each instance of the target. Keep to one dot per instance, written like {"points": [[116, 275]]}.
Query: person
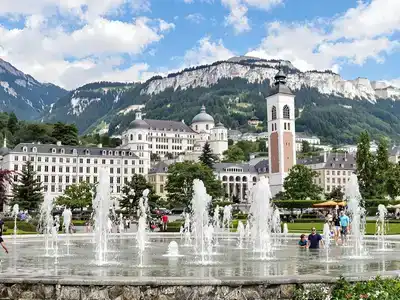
{"points": [[303, 242], [344, 224], [336, 221], [314, 239], [3, 245], [164, 219]]}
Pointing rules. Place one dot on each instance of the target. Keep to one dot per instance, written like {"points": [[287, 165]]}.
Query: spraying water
{"points": [[260, 218], [276, 227], [67, 217], [46, 220], [227, 217], [186, 231], [55, 236], [216, 222], [327, 240], [101, 204], [141, 236], [357, 217], [241, 232], [285, 232], [121, 223], [200, 203], [381, 226], [173, 250], [14, 213]]}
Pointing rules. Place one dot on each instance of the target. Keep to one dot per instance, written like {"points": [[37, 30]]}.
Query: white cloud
{"points": [[195, 18], [350, 39], [206, 52], [88, 46], [238, 12]]}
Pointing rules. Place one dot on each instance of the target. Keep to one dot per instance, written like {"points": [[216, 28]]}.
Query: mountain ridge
{"points": [[24, 95]]}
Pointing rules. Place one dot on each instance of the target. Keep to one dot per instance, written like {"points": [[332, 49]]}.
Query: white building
{"points": [[302, 137], [58, 166], [146, 136]]}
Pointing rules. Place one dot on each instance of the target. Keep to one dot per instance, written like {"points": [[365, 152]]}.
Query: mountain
{"points": [[233, 91], [23, 95]]}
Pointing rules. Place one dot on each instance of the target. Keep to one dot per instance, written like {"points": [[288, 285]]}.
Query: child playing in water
{"points": [[303, 241]]}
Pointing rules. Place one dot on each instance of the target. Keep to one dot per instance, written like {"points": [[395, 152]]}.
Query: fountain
{"points": [[121, 223], [216, 223], [327, 240], [276, 227], [200, 203], [381, 227], [173, 250], [141, 236], [55, 229], [285, 232], [101, 217], [46, 220], [259, 218], [357, 217], [186, 231], [241, 231], [227, 217], [14, 213]]}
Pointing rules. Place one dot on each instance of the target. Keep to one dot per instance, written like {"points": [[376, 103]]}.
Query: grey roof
{"points": [[220, 125], [280, 86], [220, 167], [395, 150], [160, 167], [80, 151], [139, 124], [341, 161], [4, 151], [161, 125], [202, 116]]}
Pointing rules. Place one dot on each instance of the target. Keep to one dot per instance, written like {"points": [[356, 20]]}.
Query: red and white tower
{"points": [[281, 128]]}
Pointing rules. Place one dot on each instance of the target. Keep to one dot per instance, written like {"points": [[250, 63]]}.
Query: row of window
{"points": [[60, 189], [75, 160], [286, 126], [86, 151], [238, 178], [68, 169], [286, 112]]}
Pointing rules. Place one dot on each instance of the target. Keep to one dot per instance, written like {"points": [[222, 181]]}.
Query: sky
{"points": [[74, 42]]}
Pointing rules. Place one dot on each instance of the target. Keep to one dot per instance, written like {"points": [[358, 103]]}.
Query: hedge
{"points": [[301, 204], [21, 225]]}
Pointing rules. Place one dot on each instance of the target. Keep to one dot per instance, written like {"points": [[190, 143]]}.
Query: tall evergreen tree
{"points": [[365, 167], [12, 124], [66, 133], [382, 166], [393, 181], [27, 192], [5, 180], [207, 157]]}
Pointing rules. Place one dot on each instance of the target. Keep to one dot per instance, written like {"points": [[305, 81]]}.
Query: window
{"points": [[46, 168], [131, 137], [273, 112], [284, 125], [15, 167], [53, 150], [34, 149], [24, 149], [15, 178], [61, 160], [286, 112], [16, 157], [74, 152], [95, 169], [39, 168], [139, 137], [53, 169], [60, 169], [88, 161], [206, 126], [62, 151], [53, 159]]}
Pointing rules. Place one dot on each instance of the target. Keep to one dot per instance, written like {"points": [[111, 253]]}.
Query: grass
{"points": [[393, 228], [11, 232]]}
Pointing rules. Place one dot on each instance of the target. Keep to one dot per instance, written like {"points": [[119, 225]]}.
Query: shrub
{"points": [[21, 225]]}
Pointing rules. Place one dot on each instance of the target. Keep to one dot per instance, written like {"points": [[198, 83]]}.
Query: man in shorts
{"points": [[344, 224]]}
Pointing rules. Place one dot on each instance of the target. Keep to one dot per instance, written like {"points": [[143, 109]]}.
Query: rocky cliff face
{"points": [[22, 94], [259, 70]]}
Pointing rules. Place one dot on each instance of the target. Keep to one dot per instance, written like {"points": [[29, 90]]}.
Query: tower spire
{"points": [[280, 77], [5, 142]]}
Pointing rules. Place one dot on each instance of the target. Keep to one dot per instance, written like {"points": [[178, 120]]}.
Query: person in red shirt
{"points": [[164, 220]]}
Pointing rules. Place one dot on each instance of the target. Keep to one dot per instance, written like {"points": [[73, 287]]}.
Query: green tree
{"points": [[207, 157], [230, 142], [365, 167], [305, 147], [234, 154], [133, 190], [393, 181], [66, 133], [335, 194], [12, 124], [382, 165], [5, 180], [78, 195], [299, 184], [27, 192], [180, 182]]}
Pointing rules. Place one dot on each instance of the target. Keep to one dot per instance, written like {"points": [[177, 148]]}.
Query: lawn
{"points": [[393, 228]]}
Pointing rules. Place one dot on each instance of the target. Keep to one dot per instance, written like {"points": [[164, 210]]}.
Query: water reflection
{"points": [[26, 259]]}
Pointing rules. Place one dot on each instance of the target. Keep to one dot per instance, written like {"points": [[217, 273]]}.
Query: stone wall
{"points": [[55, 291]]}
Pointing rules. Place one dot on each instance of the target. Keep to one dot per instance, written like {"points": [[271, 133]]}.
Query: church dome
{"points": [[4, 151], [202, 116], [220, 125], [139, 124]]}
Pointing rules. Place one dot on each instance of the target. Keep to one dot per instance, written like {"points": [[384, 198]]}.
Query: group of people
{"points": [[339, 226]]}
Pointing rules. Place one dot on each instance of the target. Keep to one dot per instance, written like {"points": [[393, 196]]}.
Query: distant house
{"points": [[254, 121]]}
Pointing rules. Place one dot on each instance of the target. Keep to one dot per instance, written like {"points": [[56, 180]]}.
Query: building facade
{"points": [[161, 137], [281, 127], [158, 178], [302, 137], [58, 166]]}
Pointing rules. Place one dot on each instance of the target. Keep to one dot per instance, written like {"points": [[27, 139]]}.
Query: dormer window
{"points": [[53, 150], [34, 149], [87, 152], [74, 152], [341, 165], [110, 152], [62, 151], [130, 153], [123, 153], [103, 152], [116, 153], [332, 165]]}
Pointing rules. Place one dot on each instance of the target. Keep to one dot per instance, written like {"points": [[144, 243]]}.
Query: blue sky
{"points": [[71, 44]]}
